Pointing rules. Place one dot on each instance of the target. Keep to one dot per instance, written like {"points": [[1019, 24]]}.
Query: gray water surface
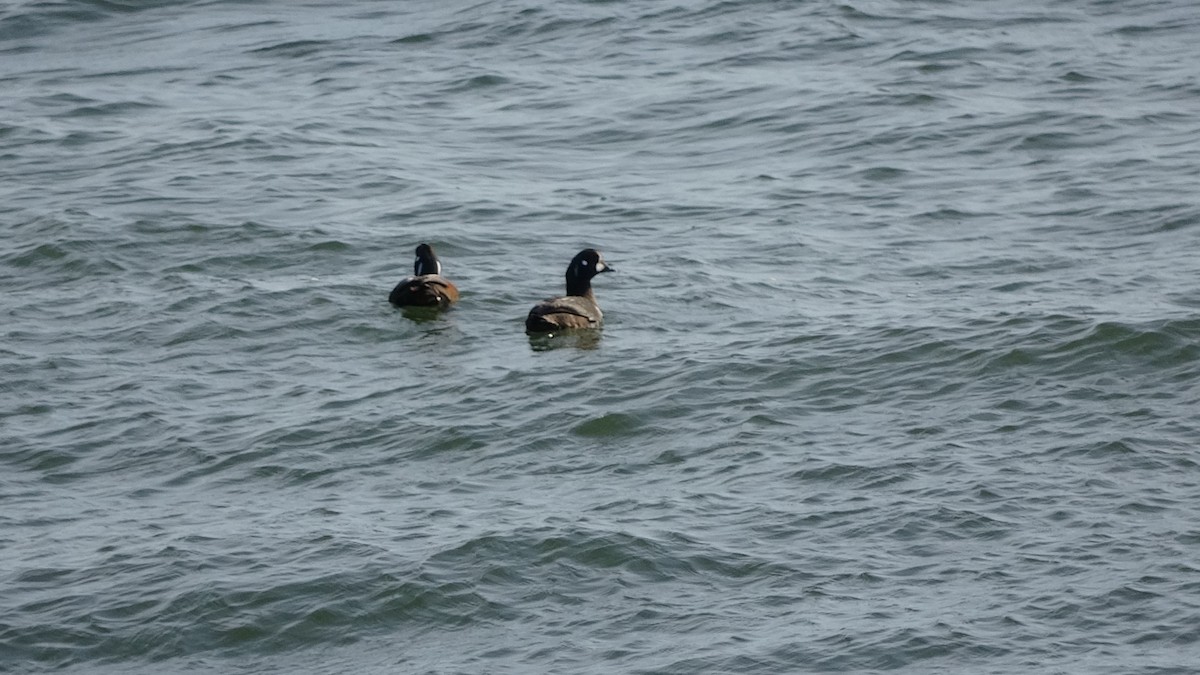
{"points": [[899, 373]]}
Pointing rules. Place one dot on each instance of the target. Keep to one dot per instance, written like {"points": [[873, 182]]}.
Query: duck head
{"points": [[427, 261], [586, 264]]}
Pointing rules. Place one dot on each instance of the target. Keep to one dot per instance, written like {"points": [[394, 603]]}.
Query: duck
{"points": [[427, 287], [576, 309]]}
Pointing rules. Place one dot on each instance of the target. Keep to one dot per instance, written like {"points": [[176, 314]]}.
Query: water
{"points": [[899, 371]]}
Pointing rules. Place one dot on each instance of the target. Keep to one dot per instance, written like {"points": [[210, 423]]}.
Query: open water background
{"points": [[900, 373]]}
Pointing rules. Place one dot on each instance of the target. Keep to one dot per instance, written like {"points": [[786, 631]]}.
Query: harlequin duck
{"points": [[427, 287], [576, 309]]}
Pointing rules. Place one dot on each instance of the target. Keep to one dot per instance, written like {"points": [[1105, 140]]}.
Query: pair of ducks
{"points": [[577, 309]]}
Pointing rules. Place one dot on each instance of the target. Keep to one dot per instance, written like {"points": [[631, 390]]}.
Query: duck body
{"points": [[564, 313], [578, 308], [426, 287]]}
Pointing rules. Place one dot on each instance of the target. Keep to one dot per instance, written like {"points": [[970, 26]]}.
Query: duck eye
{"points": [[583, 262]]}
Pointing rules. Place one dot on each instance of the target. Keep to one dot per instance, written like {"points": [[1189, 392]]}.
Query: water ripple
{"points": [[898, 370]]}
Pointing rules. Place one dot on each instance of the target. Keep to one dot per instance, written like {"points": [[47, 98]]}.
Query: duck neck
{"points": [[427, 266], [579, 285]]}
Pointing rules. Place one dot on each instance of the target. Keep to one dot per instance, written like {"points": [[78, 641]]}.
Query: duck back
{"points": [[567, 312], [427, 290]]}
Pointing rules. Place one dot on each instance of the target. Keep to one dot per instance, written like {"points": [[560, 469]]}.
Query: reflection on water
{"points": [[422, 314], [587, 338]]}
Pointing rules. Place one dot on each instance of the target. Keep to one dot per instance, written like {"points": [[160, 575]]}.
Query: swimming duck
{"points": [[576, 309], [427, 287]]}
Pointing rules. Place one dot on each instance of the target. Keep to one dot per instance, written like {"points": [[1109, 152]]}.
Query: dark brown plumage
{"points": [[427, 287], [576, 309]]}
